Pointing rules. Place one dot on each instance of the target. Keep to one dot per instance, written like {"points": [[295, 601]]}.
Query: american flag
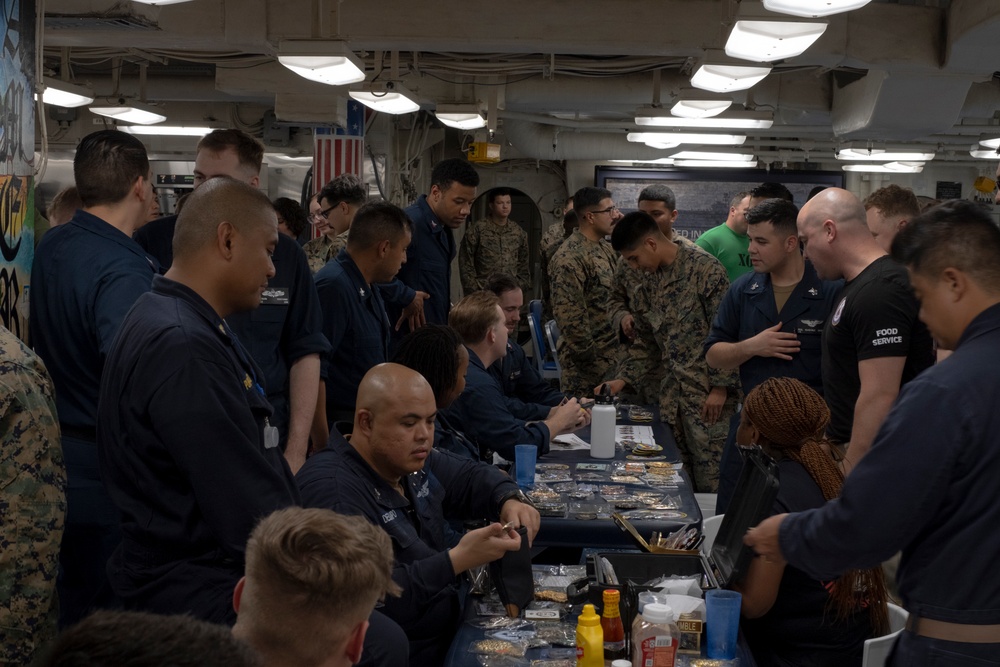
{"points": [[340, 150]]}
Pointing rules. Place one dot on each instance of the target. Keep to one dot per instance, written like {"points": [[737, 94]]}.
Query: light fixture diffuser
{"points": [[989, 141], [712, 155], [130, 114], [167, 130], [887, 168], [726, 78], [985, 153], [744, 120], [813, 8], [686, 138], [324, 61], [767, 41], [695, 108], [880, 155], [460, 116], [65, 94], [389, 98]]}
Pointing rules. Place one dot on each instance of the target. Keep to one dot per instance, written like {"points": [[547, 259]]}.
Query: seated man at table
{"points": [[389, 473], [481, 412], [528, 395]]}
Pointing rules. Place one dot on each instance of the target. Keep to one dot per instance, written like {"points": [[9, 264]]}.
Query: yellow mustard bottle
{"points": [[589, 639]]}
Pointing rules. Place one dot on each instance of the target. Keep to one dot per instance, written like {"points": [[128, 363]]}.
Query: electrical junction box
{"points": [[483, 152]]}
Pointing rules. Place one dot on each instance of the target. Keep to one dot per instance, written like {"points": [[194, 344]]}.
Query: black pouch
{"points": [[512, 577]]}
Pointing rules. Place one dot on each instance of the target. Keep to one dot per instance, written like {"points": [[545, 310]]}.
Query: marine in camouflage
{"points": [[489, 248], [321, 250], [32, 504]]}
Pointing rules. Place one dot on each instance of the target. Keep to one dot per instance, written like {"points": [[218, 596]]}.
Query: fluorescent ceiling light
{"points": [[732, 164], [65, 94], [662, 160], [460, 116], [692, 108], [130, 114], [875, 154], [167, 130], [744, 120], [989, 141], [388, 98], [767, 41], [324, 61], [161, 2], [813, 8], [686, 138], [724, 78], [887, 168], [985, 153], [711, 155]]}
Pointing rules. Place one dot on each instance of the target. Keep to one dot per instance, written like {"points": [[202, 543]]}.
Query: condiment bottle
{"points": [[602, 425], [589, 639], [655, 637], [611, 625]]}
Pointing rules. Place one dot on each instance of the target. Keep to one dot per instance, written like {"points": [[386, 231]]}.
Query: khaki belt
{"points": [[953, 632]]}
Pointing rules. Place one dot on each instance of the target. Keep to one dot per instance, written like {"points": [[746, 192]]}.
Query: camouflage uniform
{"points": [[552, 239], [490, 248], [32, 504], [627, 280], [582, 275], [673, 310], [321, 250]]}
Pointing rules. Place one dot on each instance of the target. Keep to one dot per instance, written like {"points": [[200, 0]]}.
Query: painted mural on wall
{"points": [[17, 149]]}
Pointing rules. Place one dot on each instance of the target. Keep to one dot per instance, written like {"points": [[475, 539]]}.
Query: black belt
{"points": [[955, 632]]}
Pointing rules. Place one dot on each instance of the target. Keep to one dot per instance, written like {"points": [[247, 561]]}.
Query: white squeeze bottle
{"points": [[602, 426], [655, 637]]}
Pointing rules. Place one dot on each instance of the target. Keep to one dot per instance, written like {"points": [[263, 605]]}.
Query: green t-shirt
{"points": [[731, 249]]}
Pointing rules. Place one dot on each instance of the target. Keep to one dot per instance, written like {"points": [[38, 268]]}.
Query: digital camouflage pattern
{"points": [[552, 239], [32, 504], [489, 248], [582, 281], [321, 250], [673, 310]]}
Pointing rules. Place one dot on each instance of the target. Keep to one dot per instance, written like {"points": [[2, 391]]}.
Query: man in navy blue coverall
{"points": [[284, 335], [770, 321], [481, 411], [86, 275], [389, 473], [354, 319], [528, 395], [425, 282], [928, 484]]}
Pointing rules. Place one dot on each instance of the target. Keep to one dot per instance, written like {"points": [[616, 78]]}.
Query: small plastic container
{"points": [[604, 418], [589, 639]]}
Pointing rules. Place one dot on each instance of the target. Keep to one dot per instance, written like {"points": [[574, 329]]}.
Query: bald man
{"points": [[389, 473], [873, 343], [185, 446]]}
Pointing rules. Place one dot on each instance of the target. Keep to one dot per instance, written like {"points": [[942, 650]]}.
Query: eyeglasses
{"points": [[609, 211], [324, 214]]}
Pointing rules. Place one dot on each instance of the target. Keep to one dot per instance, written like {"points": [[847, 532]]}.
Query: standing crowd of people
{"points": [[222, 424]]}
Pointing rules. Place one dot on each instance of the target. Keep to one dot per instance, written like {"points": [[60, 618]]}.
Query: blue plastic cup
{"points": [[722, 617], [524, 464]]}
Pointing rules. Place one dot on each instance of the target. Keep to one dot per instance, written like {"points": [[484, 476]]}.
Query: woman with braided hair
{"points": [[789, 618]]}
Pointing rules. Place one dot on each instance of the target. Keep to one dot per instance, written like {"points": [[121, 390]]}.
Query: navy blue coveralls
{"points": [[481, 412], [747, 309], [928, 487], [287, 326], [338, 478], [357, 327], [528, 395], [85, 278], [427, 268], [182, 455]]}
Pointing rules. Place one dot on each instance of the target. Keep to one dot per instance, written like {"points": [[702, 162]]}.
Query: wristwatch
{"points": [[519, 495]]}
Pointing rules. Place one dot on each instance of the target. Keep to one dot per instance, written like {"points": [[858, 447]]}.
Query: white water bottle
{"points": [[602, 426]]}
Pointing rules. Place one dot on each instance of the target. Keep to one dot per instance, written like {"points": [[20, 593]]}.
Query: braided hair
{"points": [[791, 419], [433, 351]]}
